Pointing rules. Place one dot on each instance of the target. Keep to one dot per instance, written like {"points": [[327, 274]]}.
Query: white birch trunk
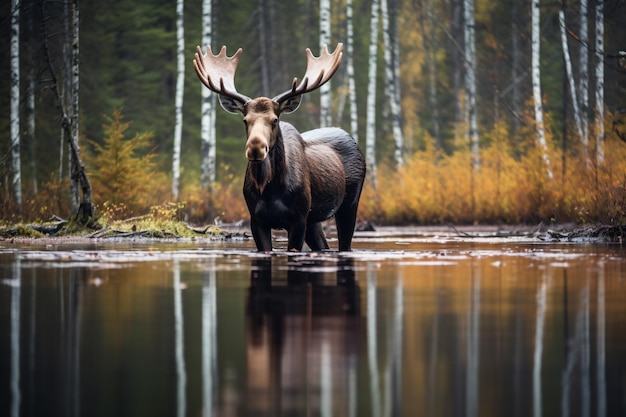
{"points": [[600, 81], [470, 82], [370, 130], [430, 48], [390, 87], [325, 112], [354, 116], [584, 73], [207, 129], [515, 65], [16, 181], [570, 74], [76, 165], [180, 83], [30, 125], [536, 80]]}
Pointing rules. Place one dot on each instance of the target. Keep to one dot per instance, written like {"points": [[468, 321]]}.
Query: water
{"points": [[402, 326]]}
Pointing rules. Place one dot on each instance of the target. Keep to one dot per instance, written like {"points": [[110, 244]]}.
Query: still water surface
{"points": [[401, 326]]}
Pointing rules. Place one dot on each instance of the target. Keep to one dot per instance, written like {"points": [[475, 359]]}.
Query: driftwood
{"points": [[599, 234]]}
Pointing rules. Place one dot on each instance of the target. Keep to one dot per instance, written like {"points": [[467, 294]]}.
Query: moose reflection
{"points": [[303, 329]]}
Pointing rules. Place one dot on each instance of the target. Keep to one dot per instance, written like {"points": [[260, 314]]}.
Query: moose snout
{"points": [[256, 149]]}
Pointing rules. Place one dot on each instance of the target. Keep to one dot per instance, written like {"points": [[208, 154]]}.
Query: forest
{"points": [[467, 111]]}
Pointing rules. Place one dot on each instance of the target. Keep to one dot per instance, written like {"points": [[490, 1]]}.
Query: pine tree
{"points": [[124, 170]]}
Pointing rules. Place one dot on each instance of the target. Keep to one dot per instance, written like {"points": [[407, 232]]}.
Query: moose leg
{"points": [[262, 236], [296, 235], [346, 220], [315, 237]]}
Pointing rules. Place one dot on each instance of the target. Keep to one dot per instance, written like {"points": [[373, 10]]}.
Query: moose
{"points": [[293, 181]]}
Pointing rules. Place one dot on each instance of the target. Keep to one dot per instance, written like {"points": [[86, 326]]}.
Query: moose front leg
{"points": [[296, 236], [262, 236]]}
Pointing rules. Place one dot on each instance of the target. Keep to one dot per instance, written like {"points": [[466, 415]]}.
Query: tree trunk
{"points": [[325, 111], [470, 82], [536, 80], [263, 57], [29, 108], [390, 87], [430, 52], [74, 128], [16, 181], [457, 60], [584, 73], [370, 131], [570, 76], [69, 113], [207, 130], [84, 212], [600, 81], [180, 84], [354, 117], [515, 66]]}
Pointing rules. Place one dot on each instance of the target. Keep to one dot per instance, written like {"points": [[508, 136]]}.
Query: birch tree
{"points": [[325, 111], [536, 81], [83, 207], [370, 130], [570, 75], [16, 180], [78, 175], [584, 73], [178, 105], [354, 117], [207, 129], [29, 102], [430, 48], [470, 81], [599, 81], [390, 86]]}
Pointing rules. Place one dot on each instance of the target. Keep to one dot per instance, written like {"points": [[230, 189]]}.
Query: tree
{"points": [[325, 110], [536, 80], [124, 169], [16, 180], [470, 81], [570, 75], [370, 130], [430, 49], [599, 81], [584, 74], [354, 116], [393, 96], [207, 130], [178, 103], [69, 117]]}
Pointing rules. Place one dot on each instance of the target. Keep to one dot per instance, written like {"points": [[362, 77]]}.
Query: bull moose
{"points": [[293, 181]]}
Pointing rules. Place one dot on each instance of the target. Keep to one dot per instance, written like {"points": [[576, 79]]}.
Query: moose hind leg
{"points": [[346, 221], [315, 237]]}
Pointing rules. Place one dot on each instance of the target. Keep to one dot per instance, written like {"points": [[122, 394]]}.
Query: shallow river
{"points": [[401, 326]]}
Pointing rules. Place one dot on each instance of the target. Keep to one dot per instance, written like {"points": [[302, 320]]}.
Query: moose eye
{"points": [[245, 122], [275, 121]]}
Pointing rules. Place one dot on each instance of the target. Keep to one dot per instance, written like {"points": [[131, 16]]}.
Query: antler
{"points": [[217, 72], [318, 72]]}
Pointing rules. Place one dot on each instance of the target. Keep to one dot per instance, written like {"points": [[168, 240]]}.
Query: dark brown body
{"points": [[304, 180]]}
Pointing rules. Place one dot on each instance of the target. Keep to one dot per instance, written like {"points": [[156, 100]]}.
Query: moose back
{"points": [[293, 181]]}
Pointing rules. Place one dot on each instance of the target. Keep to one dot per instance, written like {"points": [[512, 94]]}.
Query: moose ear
{"points": [[231, 105], [290, 105]]}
